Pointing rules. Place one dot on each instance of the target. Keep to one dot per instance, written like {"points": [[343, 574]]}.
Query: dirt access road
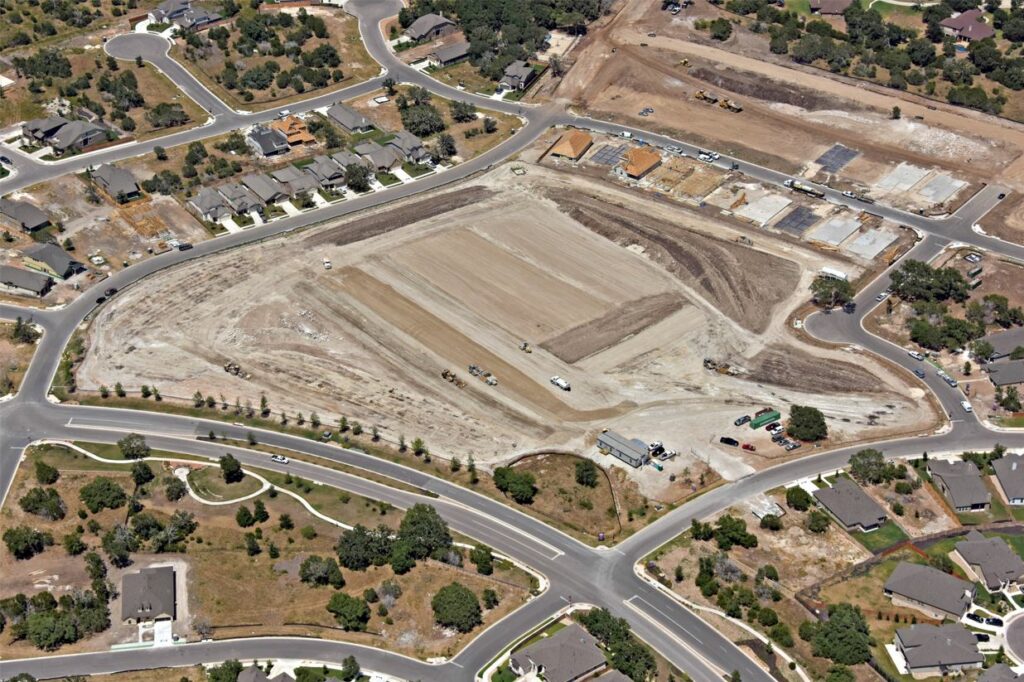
{"points": [[462, 278]]}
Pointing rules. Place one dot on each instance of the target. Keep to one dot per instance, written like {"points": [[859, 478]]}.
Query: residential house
{"points": [[76, 135], [409, 147], [266, 141], [968, 26], [196, 18], [1000, 672], [568, 655], [38, 131], [148, 595], [326, 171], [23, 215], [52, 260], [929, 590], [990, 560], [350, 120], [1010, 474], [632, 451], [254, 674], [210, 205], [269, 190], [448, 54], [1006, 373], [638, 162], [169, 10], [294, 129], [829, 7], [118, 183], [346, 158], [573, 144], [295, 181], [960, 482], [851, 506], [1004, 343], [518, 76], [378, 158], [240, 199], [429, 27], [938, 650], [16, 280]]}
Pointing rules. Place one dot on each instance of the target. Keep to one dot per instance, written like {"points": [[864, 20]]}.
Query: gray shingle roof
{"points": [[931, 587], [962, 481], [424, 25], [633, 446], [348, 118], [254, 674], [116, 181], [380, 157], [409, 146], [53, 256], [1010, 474], [36, 282], [346, 158], [265, 187], [326, 171], [929, 646], [850, 504], [993, 557], [1004, 342], [209, 202], [1006, 372], [149, 593], [295, 180], [450, 53], [269, 140], [42, 127], [76, 134], [240, 199], [517, 74], [26, 215], [566, 655]]}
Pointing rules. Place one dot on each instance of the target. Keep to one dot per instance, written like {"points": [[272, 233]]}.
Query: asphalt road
{"points": [[576, 572]]}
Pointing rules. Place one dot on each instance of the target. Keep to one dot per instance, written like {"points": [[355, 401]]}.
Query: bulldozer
{"points": [[731, 105], [706, 96]]}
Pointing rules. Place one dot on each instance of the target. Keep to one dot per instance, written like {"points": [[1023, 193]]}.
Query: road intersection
{"points": [[575, 572]]}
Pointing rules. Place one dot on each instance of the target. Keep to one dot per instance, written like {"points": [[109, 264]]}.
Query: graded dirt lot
{"points": [[622, 296]]}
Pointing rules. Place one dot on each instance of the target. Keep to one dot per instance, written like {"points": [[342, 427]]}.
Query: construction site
{"points": [[505, 317]]}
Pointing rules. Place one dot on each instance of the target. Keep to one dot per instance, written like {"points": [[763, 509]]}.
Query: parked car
{"points": [[560, 383], [1002, 195], [725, 440], [973, 257], [966, 405], [280, 459], [772, 426], [882, 296], [778, 438], [995, 622], [914, 354], [326, 435], [184, 246], [919, 372], [749, 447], [110, 291], [792, 446], [975, 617], [981, 637], [742, 420]]}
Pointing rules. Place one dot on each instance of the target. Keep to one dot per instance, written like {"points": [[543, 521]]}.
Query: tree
{"points": [[318, 570], [818, 521], [895, 114], [720, 29], [446, 148], [160, 153], [520, 485], [730, 531], [424, 532], [133, 446], [24, 542], [284, 522], [360, 547], [830, 292], [482, 556], [840, 673], [175, 489], [462, 111], [455, 606], [982, 350], [351, 613], [844, 637], [586, 473], [142, 473], [490, 598], [46, 474], [102, 493], [119, 542], [357, 177], [771, 522], [350, 668], [44, 502], [243, 517], [231, 469], [798, 498], [252, 545], [225, 672], [259, 512], [806, 423], [389, 86], [868, 466]]}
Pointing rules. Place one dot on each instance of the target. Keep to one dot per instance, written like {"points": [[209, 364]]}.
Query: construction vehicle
{"points": [[450, 377], [731, 105], [683, 62], [525, 347], [722, 367], [798, 186], [706, 96], [327, 264], [745, 240], [475, 370]]}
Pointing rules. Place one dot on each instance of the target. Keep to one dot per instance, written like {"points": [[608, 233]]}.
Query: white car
{"points": [[966, 405], [561, 383], [280, 459], [914, 354]]}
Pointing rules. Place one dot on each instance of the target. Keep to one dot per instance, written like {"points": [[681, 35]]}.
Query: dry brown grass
{"points": [[14, 357]]}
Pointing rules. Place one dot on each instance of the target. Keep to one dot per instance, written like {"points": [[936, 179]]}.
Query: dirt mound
{"points": [[742, 283], [379, 223], [781, 366], [613, 327]]}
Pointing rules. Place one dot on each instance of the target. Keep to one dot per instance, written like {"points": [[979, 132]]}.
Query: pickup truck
{"points": [[561, 383]]}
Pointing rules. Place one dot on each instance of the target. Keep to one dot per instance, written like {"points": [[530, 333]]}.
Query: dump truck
{"points": [[766, 418], [798, 186], [706, 96], [731, 105]]}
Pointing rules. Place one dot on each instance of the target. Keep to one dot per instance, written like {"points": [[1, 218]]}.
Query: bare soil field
{"points": [[463, 278], [1006, 220], [778, 365]]}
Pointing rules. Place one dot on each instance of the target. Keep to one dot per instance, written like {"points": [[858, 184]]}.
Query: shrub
{"points": [[457, 607], [351, 613], [102, 493], [46, 474], [24, 542]]}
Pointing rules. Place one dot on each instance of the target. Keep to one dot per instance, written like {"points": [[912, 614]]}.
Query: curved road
{"points": [[576, 572]]}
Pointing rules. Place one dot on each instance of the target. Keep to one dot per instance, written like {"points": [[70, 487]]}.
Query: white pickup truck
{"points": [[561, 383]]}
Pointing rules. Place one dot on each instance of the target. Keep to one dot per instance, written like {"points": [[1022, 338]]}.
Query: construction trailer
{"points": [[632, 451]]}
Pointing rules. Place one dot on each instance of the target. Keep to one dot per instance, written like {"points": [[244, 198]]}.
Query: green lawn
{"points": [[273, 211], [1011, 422], [888, 535], [387, 179], [415, 170], [329, 194], [504, 674], [112, 451], [799, 6], [243, 219], [209, 484]]}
